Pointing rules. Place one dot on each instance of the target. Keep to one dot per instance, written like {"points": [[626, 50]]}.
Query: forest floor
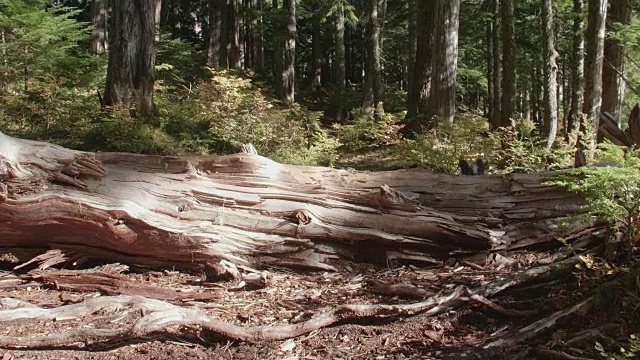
{"points": [[290, 296]]}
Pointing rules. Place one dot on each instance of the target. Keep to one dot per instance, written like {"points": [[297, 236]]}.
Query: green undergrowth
{"points": [[225, 110]]}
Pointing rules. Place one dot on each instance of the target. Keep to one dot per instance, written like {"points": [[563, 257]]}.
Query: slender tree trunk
{"points": [[577, 71], [99, 23], [378, 80], [490, 68], [26, 69], [288, 68], [158, 11], [412, 103], [224, 34], [593, 63], [316, 46], [535, 89], [496, 121], [526, 106], [234, 36], [4, 83], [550, 99], [508, 63], [243, 35], [215, 33], [132, 57], [341, 69], [419, 94], [372, 102], [260, 39], [613, 70], [255, 36], [277, 48], [442, 100]]}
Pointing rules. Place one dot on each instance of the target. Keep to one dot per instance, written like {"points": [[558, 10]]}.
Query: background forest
{"points": [[527, 86], [347, 82]]}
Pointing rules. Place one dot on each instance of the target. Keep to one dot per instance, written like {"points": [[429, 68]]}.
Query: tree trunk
{"points": [[419, 92], [260, 39], [215, 33], [289, 59], [224, 36], [341, 69], [277, 47], [442, 99], [185, 212], [411, 62], [316, 45], [490, 67], [379, 81], [235, 60], [593, 62], [577, 71], [508, 63], [536, 89], [550, 98], [158, 11], [132, 54], [372, 91], [613, 70], [497, 66], [99, 23]]}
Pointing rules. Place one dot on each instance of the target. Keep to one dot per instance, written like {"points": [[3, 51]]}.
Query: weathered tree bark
{"points": [[577, 71], [613, 70], [442, 98], [185, 212], [508, 96], [597, 13], [99, 23], [550, 55], [132, 55]]}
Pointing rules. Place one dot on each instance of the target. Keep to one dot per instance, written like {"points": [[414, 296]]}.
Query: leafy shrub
{"points": [[612, 194], [524, 150], [229, 110], [362, 132], [442, 147]]}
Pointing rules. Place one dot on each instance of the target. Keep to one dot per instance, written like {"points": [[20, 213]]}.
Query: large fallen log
{"points": [[185, 212]]}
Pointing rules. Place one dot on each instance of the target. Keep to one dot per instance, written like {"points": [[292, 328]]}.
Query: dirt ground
{"points": [[290, 296]]}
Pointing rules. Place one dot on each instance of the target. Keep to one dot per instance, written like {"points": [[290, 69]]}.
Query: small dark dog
{"points": [[476, 169]]}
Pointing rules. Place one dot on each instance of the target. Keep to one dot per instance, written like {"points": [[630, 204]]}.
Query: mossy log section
{"points": [[184, 212]]}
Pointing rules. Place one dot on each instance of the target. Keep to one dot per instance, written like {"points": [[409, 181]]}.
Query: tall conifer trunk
{"points": [[132, 54], [442, 99], [508, 63], [613, 70], [577, 71], [597, 12], [99, 23], [550, 98]]}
